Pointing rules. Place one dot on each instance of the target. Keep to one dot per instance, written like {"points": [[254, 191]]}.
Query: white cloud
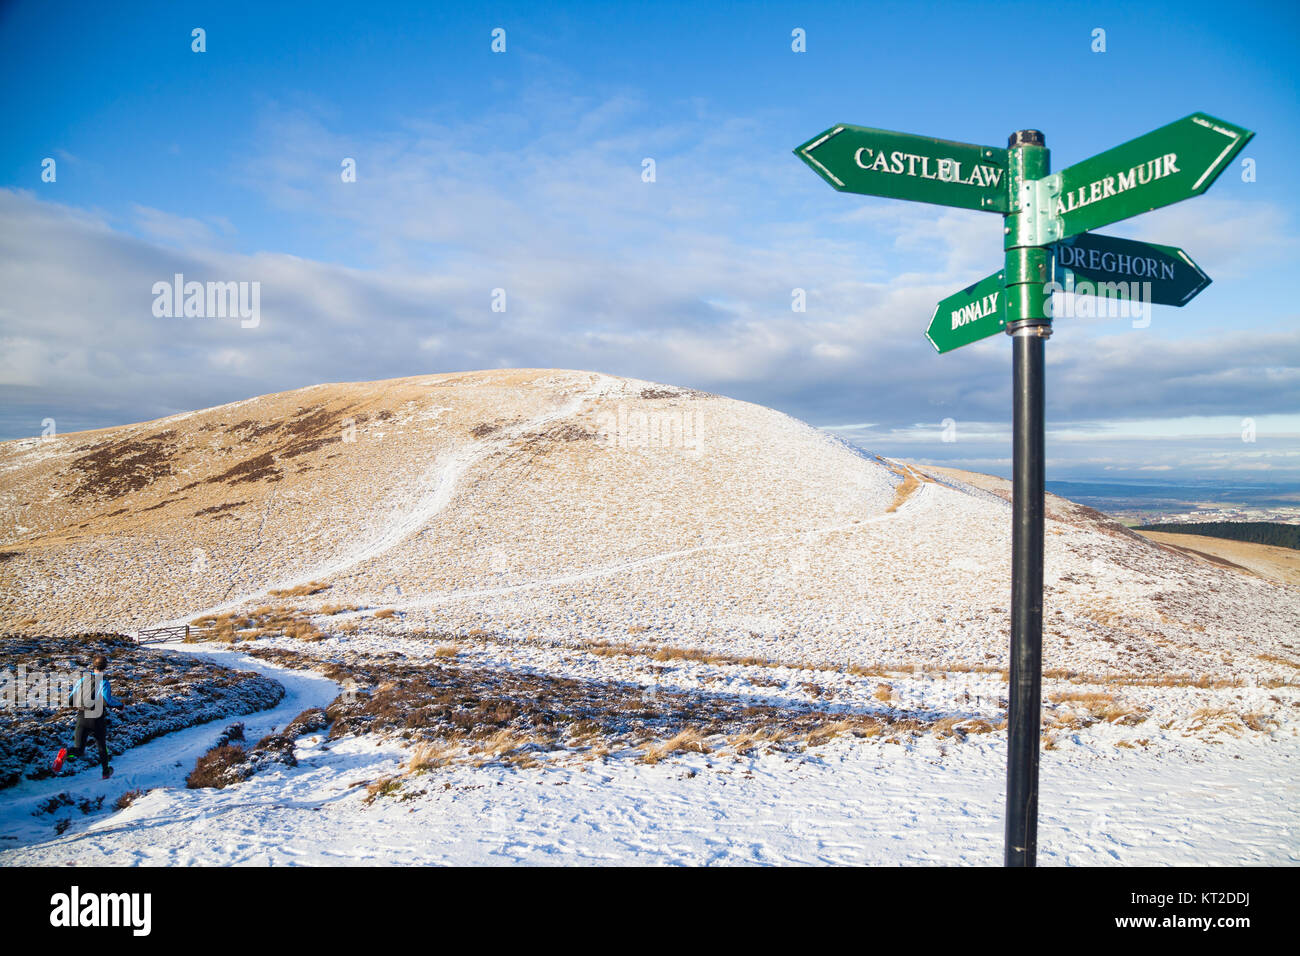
{"points": [[684, 280]]}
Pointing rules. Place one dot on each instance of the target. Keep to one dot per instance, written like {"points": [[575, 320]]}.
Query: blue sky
{"points": [[522, 171]]}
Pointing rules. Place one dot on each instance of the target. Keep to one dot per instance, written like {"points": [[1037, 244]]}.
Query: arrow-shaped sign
{"points": [[876, 162], [1165, 166], [1088, 264], [974, 313]]}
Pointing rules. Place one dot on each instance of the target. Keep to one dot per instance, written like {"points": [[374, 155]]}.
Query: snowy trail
{"points": [[433, 492], [908, 507], [163, 762]]}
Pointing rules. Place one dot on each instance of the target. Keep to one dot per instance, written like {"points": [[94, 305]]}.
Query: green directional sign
{"points": [[1046, 239], [1172, 163], [1089, 264], [974, 313], [876, 162]]}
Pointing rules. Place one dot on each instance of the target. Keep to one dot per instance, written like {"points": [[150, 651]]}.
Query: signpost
{"points": [[1090, 264], [1172, 163], [974, 313], [1046, 240], [876, 162]]}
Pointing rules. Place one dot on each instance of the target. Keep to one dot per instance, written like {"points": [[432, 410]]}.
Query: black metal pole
{"points": [[1029, 324], [1023, 692]]}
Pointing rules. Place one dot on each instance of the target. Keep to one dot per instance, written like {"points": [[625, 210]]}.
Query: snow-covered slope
{"points": [[430, 485], [586, 508], [553, 529]]}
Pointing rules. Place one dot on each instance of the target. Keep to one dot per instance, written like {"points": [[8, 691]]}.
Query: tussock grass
{"points": [[446, 650], [265, 621], [302, 590], [1208, 722], [1085, 708], [828, 732], [432, 755], [1260, 722], [304, 631], [690, 740], [961, 727], [765, 737], [502, 745], [329, 610], [382, 787]]}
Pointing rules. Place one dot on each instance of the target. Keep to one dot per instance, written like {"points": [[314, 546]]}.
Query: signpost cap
{"points": [[1026, 137]]}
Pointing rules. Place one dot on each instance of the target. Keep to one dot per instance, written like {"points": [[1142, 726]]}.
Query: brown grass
{"points": [[903, 492], [1207, 722], [1082, 697], [502, 745], [215, 768], [382, 787], [960, 727], [446, 650], [128, 798], [302, 590], [690, 740], [1260, 722], [432, 755], [765, 737], [1275, 659], [825, 734]]}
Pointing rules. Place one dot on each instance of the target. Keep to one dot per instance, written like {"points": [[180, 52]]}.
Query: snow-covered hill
{"points": [[585, 508], [631, 571]]}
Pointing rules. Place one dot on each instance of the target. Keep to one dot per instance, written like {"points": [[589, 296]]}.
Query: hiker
{"points": [[92, 698]]}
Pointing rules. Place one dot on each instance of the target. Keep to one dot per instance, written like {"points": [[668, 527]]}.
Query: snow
{"points": [[845, 803], [552, 553], [849, 801], [163, 762]]}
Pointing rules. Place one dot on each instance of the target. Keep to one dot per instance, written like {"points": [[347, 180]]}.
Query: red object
{"points": [[58, 761]]}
